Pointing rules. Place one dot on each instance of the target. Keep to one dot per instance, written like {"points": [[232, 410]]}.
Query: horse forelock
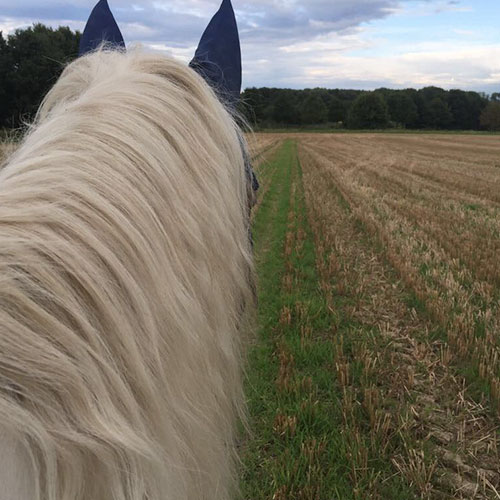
{"points": [[124, 264]]}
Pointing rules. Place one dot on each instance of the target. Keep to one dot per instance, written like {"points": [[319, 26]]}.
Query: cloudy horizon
{"points": [[356, 44]]}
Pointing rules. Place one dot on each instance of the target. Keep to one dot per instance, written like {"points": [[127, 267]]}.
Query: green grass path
{"points": [[304, 444], [295, 450]]}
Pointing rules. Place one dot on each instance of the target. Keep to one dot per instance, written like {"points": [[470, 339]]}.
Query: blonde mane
{"points": [[125, 271]]}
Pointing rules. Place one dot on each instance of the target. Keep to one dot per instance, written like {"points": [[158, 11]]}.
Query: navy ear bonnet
{"points": [[217, 58], [101, 27]]}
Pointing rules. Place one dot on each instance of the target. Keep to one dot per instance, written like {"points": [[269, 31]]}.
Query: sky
{"points": [[356, 44]]}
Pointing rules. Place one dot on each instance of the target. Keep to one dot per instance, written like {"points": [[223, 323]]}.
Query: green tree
{"points": [[313, 110], [252, 104], [466, 108], [285, 109], [440, 113], [34, 59], [337, 110], [402, 109], [459, 107], [6, 89], [39, 55], [426, 116], [490, 117], [369, 110]]}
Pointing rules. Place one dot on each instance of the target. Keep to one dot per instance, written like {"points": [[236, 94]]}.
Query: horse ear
{"points": [[101, 27], [218, 56]]}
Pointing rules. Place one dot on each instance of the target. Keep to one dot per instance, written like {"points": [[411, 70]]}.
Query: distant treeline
{"points": [[32, 59], [427, 108]]}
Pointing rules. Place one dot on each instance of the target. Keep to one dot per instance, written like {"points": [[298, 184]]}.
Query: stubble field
{"points": [[375, 372]]}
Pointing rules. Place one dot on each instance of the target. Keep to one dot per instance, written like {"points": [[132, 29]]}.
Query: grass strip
{"points": [[299, 447]]}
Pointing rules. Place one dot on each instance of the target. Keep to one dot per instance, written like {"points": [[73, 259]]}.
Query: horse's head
{"points": [[124, 264], [217, 59]]}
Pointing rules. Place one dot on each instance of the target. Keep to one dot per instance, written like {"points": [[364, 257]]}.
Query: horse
{"points": [[126, 283]]}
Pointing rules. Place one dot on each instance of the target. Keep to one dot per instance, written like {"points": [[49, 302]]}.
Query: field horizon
{"points": [[326, 130]]}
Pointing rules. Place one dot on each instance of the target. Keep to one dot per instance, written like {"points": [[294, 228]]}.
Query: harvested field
{"points": [[376, 372]]}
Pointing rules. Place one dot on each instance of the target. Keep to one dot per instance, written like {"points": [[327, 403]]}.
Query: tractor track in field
{"points": [[263, 159]]}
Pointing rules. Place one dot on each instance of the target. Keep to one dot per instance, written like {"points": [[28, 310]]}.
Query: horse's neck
{"points": [[16, 472]]}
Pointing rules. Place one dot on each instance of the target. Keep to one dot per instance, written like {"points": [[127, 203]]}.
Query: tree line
{"points": [[427, 108], [32, 59]]}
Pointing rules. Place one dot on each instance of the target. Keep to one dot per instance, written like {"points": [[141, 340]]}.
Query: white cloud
{"points": [[301, 43], [184, 54], [448, 66], [9, 25]]}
